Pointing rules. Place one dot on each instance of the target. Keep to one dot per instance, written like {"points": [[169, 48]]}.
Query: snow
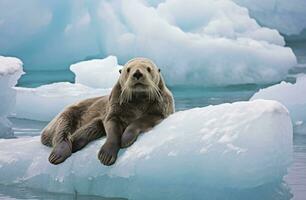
{"points": [[97, 73], [193, 42], [45, 102], [293, 96], [10, 72], [287, 16], [240, 145]]}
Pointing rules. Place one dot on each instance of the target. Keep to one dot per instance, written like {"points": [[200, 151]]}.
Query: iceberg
{"points": [[290, 95], [194, 42], [45, 102], [209, 47], [238, 146], [10, 72]]}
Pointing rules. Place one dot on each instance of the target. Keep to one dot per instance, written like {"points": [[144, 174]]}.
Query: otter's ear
{"points": [[159, 70], [120, 70], [161, 83]]}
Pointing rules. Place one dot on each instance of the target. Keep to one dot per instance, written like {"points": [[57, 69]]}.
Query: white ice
{"points": [[45, 102], [10, 72], [97, 73], [240, 145], [293, 96], [194, 42]]}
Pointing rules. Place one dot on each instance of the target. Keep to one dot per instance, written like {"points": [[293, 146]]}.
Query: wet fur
{"points": [[120, 116]]}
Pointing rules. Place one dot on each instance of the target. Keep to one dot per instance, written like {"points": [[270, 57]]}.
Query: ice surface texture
{"points": [[194, 42], [293, 96], [10, 72], [240, 145]]}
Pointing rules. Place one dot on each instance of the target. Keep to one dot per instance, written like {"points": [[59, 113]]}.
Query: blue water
{"points": [[293, 185]]}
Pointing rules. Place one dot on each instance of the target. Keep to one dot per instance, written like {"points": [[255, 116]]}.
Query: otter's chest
{"points": [[132, 111]]}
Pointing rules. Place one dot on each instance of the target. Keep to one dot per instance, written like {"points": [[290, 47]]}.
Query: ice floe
{"points": [[240, 145]]}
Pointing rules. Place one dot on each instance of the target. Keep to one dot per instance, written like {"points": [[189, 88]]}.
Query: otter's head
{"points": [[140, 76]]}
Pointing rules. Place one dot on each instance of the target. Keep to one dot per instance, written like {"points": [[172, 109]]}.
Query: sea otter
{"points": [[138, 101]]}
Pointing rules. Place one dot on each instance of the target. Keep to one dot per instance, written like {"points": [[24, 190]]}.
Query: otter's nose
{"points": [[137, 74]]}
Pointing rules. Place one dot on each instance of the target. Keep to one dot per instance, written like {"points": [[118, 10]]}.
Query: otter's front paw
{"points": [[60, 152], [108, 153], [127, 139]]}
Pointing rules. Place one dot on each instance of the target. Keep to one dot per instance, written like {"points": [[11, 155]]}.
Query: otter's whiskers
{"points": [[126, 94]]}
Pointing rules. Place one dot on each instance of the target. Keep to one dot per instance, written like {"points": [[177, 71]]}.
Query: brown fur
{"points": [[135, 105]]}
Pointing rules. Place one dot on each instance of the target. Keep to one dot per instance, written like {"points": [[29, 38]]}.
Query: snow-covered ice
{"points": [[97, 73], [10, 72], [293, 96], [239, 145], [45, 102], [193, 41]]}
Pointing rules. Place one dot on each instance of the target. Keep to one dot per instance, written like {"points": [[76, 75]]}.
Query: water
{"points": [[292, 187], [296, 178], [10, 193], [186, 98], [37, 78]]}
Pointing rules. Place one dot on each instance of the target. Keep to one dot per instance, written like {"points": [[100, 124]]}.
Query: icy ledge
{"points": [[240, 145], [10, 72]]}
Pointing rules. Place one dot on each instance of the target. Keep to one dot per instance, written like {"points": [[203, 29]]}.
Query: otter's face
{"points": [[140, 75]]}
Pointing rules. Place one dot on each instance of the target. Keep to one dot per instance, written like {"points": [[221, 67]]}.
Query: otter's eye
{"points": [[149, 69], [128, 70]]}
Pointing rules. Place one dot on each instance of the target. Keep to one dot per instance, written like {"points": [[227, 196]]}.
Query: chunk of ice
{"points": [[10, 72], [97, 73], [293, 96], [239, 145]]}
